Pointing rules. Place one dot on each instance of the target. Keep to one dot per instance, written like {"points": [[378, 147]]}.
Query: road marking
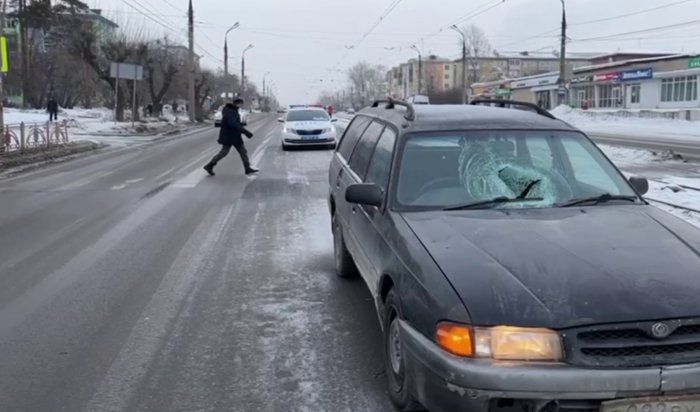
{"points": [[126, 183], [162, 175], [168, 305], [260, 150], [82, 182], [190, 180]]}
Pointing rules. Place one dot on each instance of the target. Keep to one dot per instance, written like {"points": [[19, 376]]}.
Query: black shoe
{"points": [[250, 171], [210, 170]]}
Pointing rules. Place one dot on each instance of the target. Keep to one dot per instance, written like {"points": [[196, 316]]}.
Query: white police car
{"points": [[308, 126]]}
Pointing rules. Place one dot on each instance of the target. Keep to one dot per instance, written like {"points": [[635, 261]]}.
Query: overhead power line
{"points": [[636, 13], [649, 30]]}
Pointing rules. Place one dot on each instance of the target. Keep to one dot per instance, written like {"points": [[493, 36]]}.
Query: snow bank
{"points": [[669, 181], [607, 122]]}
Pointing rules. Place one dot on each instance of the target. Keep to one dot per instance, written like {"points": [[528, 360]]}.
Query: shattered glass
{"points": [[489, 169], [540, 167]]}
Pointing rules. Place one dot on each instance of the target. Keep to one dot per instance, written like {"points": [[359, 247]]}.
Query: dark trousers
{"points": [[53, 115], [225, 149]]}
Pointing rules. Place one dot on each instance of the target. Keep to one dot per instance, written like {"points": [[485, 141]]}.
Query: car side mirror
{"points": [[640, 184], [281, 120], [334, 120], [367, 194]]}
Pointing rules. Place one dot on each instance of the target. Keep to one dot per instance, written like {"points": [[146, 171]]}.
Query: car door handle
{"points": [[354, 209]]}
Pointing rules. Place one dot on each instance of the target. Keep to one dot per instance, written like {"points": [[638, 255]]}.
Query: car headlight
{"points": [[288, 130], [329, 130], [500, 342]]}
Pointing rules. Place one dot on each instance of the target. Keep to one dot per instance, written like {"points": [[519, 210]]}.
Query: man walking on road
{"points": [[230, 135]]}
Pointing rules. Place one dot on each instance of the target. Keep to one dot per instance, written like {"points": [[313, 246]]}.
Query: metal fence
{"points": [[23, 136]]}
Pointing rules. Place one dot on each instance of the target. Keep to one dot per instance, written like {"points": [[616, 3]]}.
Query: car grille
{"points": [[309, 132], [634, 344]]}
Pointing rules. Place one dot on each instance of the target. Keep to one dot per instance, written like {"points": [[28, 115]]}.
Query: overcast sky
{"points": [[302, 43]]}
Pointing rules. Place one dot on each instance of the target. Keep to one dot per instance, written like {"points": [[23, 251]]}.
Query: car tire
{"points": [[285, 147], [399, 381], [344, 264]]}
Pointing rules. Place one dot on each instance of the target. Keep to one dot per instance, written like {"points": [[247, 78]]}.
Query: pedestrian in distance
{"points": [[231, 135], [52, 108]]}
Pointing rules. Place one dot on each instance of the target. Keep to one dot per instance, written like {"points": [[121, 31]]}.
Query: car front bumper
{"points": [[326, 139], [447, 383]]}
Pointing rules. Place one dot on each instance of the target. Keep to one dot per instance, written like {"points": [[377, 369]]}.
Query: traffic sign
{"points": [[5, 65]]}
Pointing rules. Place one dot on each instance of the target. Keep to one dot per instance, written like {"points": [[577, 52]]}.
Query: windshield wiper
{"points": [[485, 204], [528, 188], [605, 197]]}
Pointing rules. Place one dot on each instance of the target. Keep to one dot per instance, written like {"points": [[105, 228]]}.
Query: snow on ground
{"points": [[98, 124], [597, 122], [669, 180]]}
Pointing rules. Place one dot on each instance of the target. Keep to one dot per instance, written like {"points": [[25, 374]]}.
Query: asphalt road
{"points": [[130, 281], [689, 150]]}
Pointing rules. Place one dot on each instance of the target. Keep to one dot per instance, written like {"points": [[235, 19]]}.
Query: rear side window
{"points": [[380, 165], [352, 135], [364, 149]]}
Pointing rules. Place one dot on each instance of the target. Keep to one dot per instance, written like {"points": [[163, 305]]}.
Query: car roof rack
{"points": [[391, 103], [514, 103]]}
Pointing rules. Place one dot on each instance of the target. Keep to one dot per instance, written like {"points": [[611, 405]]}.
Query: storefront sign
{"points": [[581, 79], [604, 77], [638, 74], [694, 63], [539, 81], [502, 92]]}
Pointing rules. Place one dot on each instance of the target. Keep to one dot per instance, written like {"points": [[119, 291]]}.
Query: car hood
{"points": [[568, 267], [309, 125]]}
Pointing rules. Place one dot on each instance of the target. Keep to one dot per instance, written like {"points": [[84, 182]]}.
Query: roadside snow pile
{"points": [[97, 123], [596, 122]]}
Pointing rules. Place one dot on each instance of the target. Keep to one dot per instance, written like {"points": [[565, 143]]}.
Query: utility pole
{"points": [[190, 61], [561, 93], [464, 63], [420, 69]]}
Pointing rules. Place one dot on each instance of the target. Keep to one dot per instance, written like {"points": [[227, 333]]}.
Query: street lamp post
{"points": [[250, 46], [234, 27], [464, 62], [265, 90], [420, 68]]}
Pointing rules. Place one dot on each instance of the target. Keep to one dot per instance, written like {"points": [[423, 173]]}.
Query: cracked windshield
{"points": [[349, 206]]}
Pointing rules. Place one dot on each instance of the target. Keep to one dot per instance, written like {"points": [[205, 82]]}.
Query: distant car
{"points": [[418, 99], [308, 127], [245, 114], [217, 116], [350, 110]]}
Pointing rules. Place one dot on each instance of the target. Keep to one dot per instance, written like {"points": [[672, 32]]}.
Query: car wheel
{"points": [[344, 265], [285, 147], [400, 382]]}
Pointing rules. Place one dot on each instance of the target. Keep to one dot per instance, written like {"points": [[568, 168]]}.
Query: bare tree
{"points": [[161, 67], [478, 47], [368, 82]]}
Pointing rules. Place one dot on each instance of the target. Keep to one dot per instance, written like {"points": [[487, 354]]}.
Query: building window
{"points": [[447, 86], [584, 94], [514, 62], [447, 75], [447, 67], [544, 65], [609, 95], [634, 93], [544, 100], [679, 89]]}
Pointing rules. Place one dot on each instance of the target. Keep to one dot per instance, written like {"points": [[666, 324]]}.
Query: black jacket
{"points": [[231, 128], [52, 106]]}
